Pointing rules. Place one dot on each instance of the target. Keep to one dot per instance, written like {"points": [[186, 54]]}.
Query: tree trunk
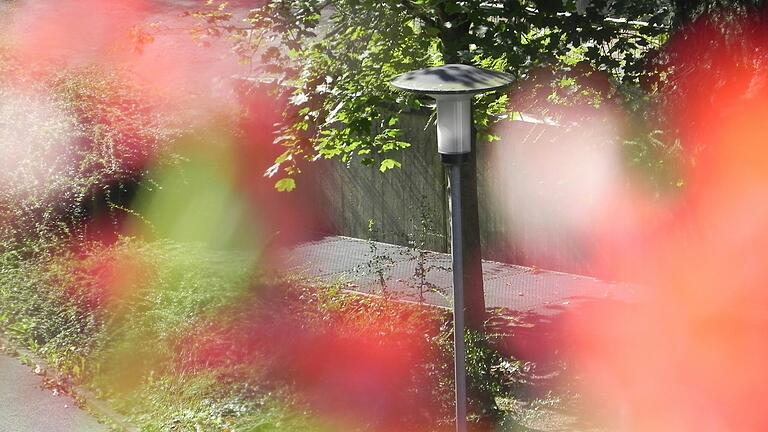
{"points": [[474, 292]]}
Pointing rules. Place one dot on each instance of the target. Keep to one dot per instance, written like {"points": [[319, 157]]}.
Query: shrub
{"points": [[74, 141]]}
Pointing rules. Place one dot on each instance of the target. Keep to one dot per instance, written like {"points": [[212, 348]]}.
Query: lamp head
{"points": [[453, 87]]}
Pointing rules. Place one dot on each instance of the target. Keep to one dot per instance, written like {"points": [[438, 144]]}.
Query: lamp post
{"points": [[453, 87]]}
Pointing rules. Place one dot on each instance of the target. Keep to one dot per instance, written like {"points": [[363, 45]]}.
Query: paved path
{"points": [[25, 407], [516, 288]]}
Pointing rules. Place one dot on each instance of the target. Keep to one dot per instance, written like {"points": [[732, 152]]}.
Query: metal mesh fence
{"points": [[424, 276]]}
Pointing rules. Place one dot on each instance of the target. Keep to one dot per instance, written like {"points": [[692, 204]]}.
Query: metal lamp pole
{"points": [[460, 351], [453, 87]]}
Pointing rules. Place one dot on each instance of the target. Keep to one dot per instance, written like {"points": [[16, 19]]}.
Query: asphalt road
{"points": [[26, 407]]}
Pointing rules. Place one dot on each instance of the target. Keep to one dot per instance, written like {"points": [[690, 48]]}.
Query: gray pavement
{"points": [[26, 407], [362, 264]]}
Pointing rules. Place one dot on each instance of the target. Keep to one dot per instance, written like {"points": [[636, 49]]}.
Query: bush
{"points": [[74, 141]]}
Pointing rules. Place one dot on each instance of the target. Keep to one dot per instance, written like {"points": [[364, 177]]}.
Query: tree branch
{"points": [[420, 14]]}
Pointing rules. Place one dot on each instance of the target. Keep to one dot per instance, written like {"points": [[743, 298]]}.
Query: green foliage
{"points": [[204, 402], [69, 136], [94, 323], [687, 11], [71, 306], [333, 60], [37, 311], [285, 185], [492, 376], [92, 316], [336, 58], [423, 228], [388, 164], [379, 263]]}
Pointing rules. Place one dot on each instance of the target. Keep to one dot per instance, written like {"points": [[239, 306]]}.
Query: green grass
{"points": [[177, 337], [122, 344]]}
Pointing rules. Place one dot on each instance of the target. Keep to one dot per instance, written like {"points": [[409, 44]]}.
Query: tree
{"points": [[337, 71]]}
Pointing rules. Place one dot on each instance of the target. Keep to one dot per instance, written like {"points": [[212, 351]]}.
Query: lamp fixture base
{"points": [[454, 158]]}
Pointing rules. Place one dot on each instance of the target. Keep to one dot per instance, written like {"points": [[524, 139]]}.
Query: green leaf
{"points": [[388, 164], [285, 185], [283, 157], [452, 7]]}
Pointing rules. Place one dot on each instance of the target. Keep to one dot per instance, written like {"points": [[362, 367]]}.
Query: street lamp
{"points": [[453, 87]]}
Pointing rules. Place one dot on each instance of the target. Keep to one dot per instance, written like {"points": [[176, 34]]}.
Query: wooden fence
{"points": [[410, 204]]}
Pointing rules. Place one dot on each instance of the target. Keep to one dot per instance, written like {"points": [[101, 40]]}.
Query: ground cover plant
{"points": [[178, 340]]}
